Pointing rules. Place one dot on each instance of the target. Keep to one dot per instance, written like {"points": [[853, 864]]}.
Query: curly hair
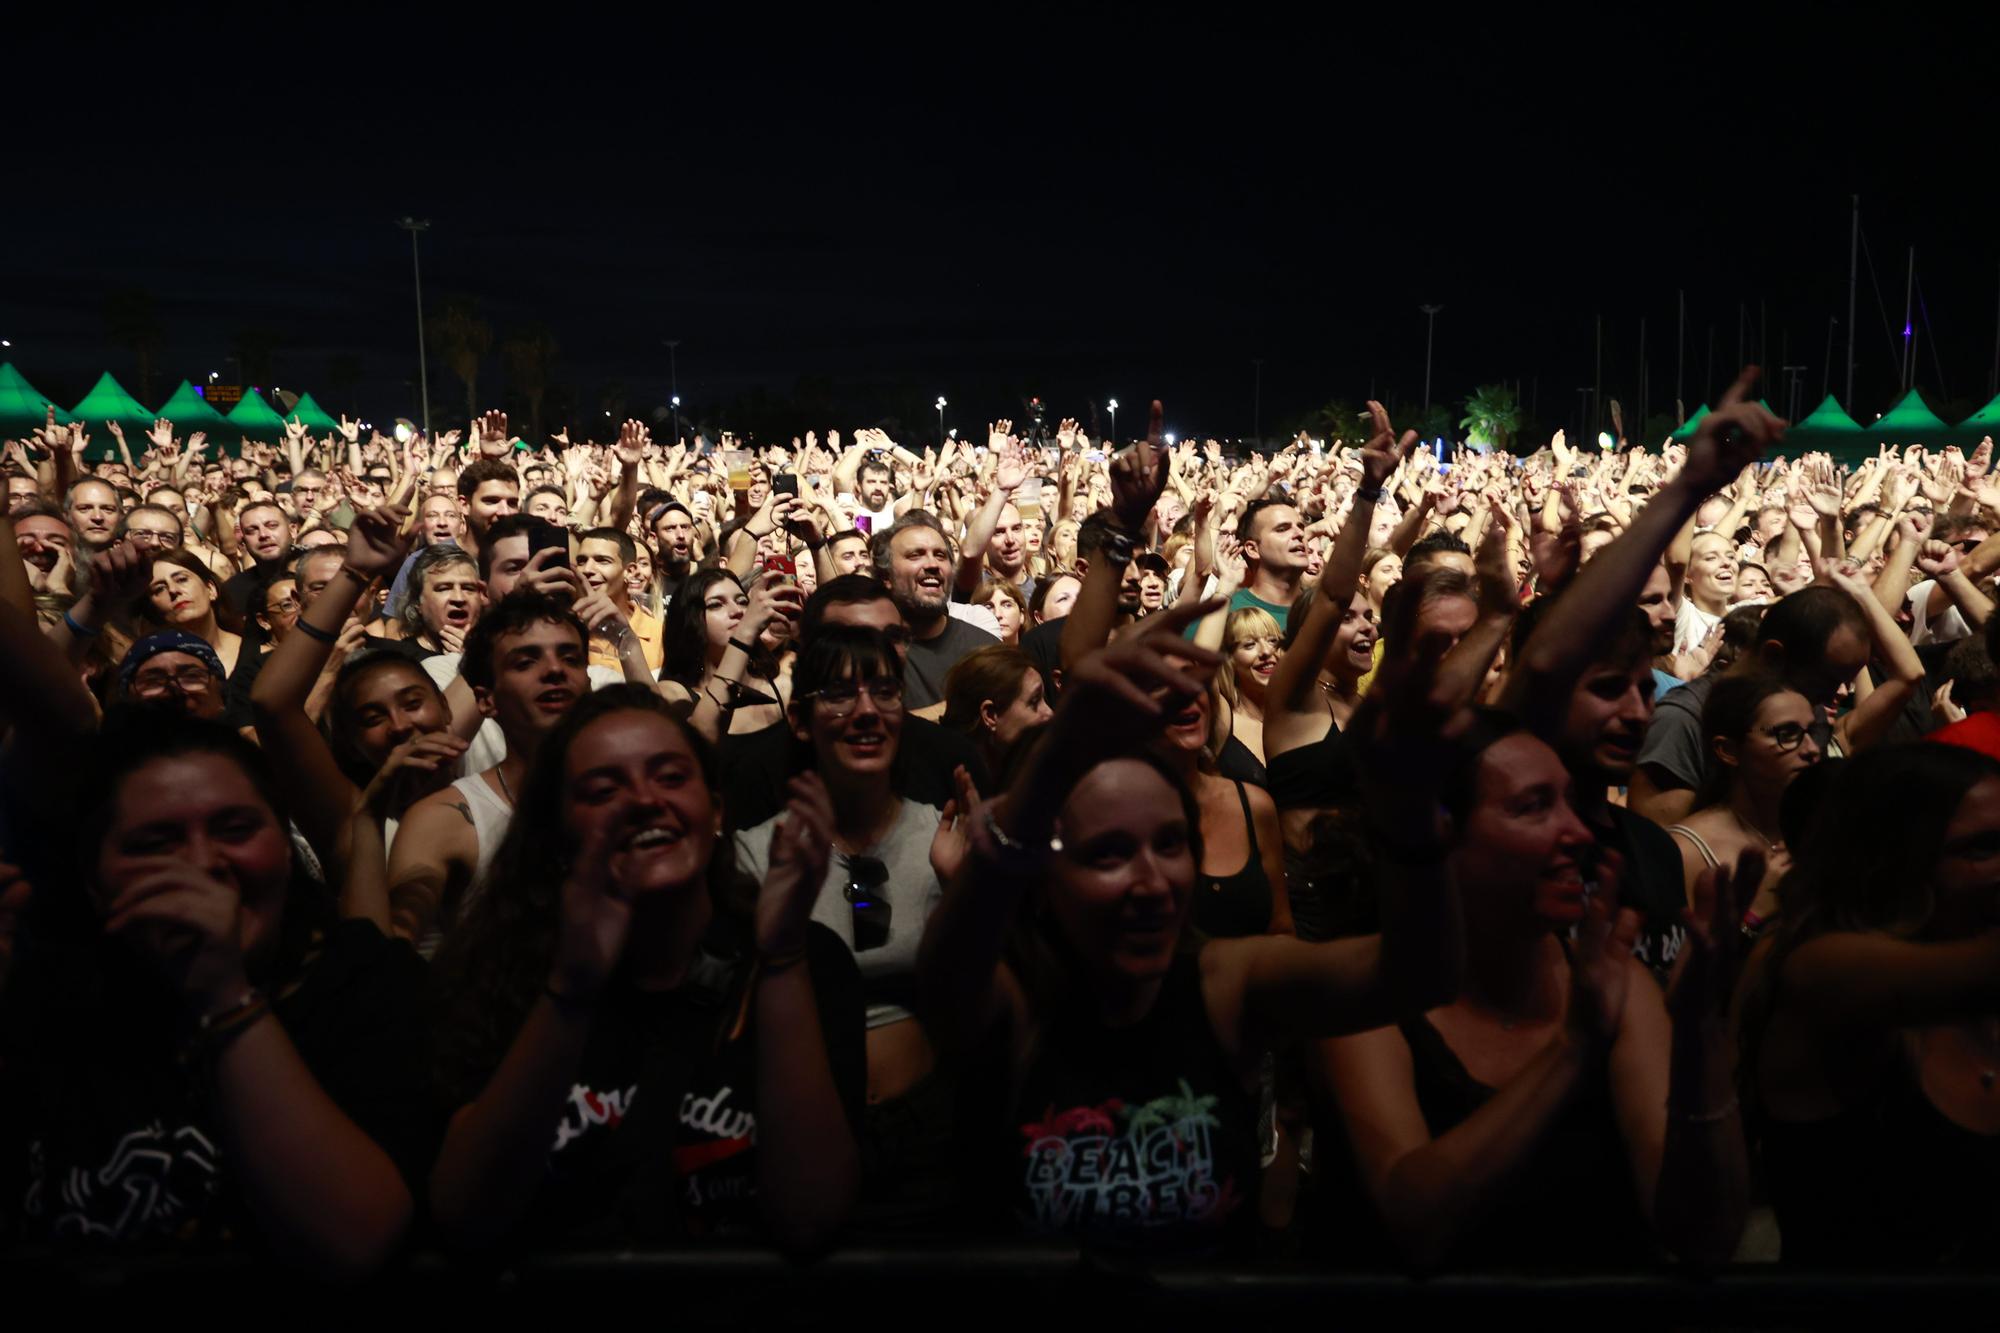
{"points": [[493, 965]]}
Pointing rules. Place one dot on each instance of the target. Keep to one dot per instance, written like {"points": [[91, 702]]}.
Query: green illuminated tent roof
{"points": [[22, 408], [1828, 416], [312, 414], [108, 401], [1908, 415], [254, 417], [189, 409], [1686, 428], [1986, 419]]}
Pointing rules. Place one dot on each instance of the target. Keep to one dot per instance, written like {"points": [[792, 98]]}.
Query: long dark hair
{"points": [[338, 725], [226, 616], [493, 965], [1729, 714], [1867, 861], [684, 636]]}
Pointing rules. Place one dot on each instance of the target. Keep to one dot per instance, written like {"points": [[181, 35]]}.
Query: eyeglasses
{"points": [[840, 700], [153, 537], [288, 606], [189, 679], [1787, 736], [865, 877]]}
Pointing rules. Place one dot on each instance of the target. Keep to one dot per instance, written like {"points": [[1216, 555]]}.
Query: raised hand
{"points": [[949, 843], [800, 847], [1139, 474], [596, 910], [119, 577], [1066, 434], [1937, 559], [350, 431], [1600, 970], [997, 435], [1981, 461], [188, 924], [420, 765], [633, 441], [378, 541], [1731, 437], [1383, 451], [598, 612], [1119, 692], [489, 434]]}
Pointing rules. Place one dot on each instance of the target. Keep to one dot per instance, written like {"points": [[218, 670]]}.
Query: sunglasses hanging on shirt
{"points": [[867, 878]]}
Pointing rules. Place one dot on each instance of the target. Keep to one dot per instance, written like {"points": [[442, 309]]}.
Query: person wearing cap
{"points": [[1150, 569], [174, 669]]}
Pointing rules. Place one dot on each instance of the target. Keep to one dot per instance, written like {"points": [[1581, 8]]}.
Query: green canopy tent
{"points": [[1685, 430], [189, 409], [312, 415], [108, 401], [1986, 421], [1828, 429], [23, 410], [1908, 421], [254, 419]]}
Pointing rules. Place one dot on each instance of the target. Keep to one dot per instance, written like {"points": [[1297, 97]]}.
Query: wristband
{"points": [[312, 631], [1116, 550], [747, 649], [770, 964], [81, 631], [1369, 493]]}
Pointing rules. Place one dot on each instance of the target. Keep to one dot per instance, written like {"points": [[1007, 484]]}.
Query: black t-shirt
{"points": [[143, 1163], [929, 661], [755, 765], [1652, 882], [657, 1141], [239, 587]]}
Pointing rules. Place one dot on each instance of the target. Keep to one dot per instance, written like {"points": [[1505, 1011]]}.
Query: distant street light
{"points": [[414, 226], [940, 411], [1114, 422]]}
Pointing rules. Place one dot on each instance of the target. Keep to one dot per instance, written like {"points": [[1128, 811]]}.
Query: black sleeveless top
{"points": [[1230, 906], [1570, 1203], [1888, 1183], [1138, 1140], [1239, 763], [1315, 776]]}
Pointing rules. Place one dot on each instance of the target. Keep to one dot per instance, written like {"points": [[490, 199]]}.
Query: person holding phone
{"points": [[602, 555]]}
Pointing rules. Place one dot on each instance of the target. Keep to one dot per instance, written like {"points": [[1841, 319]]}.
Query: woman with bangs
{"points": [[722, 647], [642, 1044], [879, 888]]}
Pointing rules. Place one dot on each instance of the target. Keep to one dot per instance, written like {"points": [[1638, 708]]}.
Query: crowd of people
{"points": [[1361, 855]]}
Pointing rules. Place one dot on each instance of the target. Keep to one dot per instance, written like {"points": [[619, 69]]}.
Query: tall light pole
{"points": [[1430, 334], [674, 381], [414, 226], [940, 410], [1113, 405], [1257, 403]]}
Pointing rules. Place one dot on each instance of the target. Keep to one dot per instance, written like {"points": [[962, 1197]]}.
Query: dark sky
{"points": [[989, 204]]}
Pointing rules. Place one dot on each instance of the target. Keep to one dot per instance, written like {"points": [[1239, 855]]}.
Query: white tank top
{"points": [[489, 824]]}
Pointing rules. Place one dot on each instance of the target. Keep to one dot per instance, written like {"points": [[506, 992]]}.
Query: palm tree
{"points": [[1337, 420], [463, 340], [1492, 415], [529, 357]]}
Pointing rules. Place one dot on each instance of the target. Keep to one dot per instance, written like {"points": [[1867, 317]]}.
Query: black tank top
{"points": [[1231, 906], [1138, 1139], [1888, 1183], [1316, 776], [1570, 1203]]}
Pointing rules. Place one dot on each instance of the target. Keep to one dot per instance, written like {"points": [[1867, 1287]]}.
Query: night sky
{"points": [[841, 218]]}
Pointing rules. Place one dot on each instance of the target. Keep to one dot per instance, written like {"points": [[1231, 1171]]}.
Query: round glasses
{"points": [[842, 699]]}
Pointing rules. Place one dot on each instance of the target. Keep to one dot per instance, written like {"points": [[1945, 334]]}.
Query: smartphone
{"points": [[549, 537], [782, 568], [785, 483], [864, 524]]}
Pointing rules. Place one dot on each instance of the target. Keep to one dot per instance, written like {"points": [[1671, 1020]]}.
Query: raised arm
{"points": [[1573, 631], [1292, 683], [1871, 719], [1137, 477]]}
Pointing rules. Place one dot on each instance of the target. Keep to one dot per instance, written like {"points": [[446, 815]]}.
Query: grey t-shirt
{"points": [[1672, 750], [912, 889], [931, 660]]}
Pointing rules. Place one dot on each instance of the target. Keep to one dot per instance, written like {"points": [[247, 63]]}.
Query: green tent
{"points": [[1828, 416], [187, 408], [108, 401], [313, 415], [1908, 417], [23, 410], [255, 420], [1828, 429], [1986, 420], [1686, 429]]}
